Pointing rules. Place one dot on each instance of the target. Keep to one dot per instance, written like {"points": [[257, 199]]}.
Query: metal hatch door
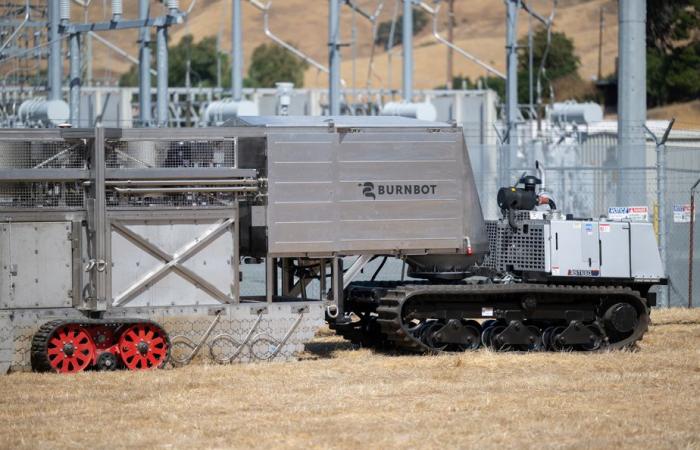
{"points": [[575, 249], [614, 249], [37, 268]]}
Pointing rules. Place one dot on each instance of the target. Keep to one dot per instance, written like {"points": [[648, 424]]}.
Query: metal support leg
{"points": [[322, 279], [270, 277], [338, 294], [100, 220], [287, 276]]}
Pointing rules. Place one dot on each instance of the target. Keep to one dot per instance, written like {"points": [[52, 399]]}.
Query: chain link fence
{"points": [[582, 174]]}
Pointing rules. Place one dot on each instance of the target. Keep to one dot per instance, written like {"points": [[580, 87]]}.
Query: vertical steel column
{"points": [[237, 51], [511, 138], [75, 79], [100, 220], [236, 266], [407, 35], [55, 60], [632, 102], [334, 57], [144, 66], [162, 75]]}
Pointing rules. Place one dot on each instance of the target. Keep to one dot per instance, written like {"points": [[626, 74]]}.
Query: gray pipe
{"points": [[511, 138], [162, 77], [75, 79], [145, 67], [632, 101], [408, 50], [55, 59], [334, 57], [237, 52]]}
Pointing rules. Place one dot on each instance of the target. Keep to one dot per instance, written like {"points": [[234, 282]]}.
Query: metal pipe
{"points": [[632, 100], [407, 35], [237, 51], [170, 190], [74, 84], [162, 77], [511, 137], [145, 66], [175, 182], [334, 57], [55, 60]]}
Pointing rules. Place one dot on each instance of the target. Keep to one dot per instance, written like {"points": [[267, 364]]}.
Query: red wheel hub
{"points": [[102, 336], [143, 346], [70, 349]]}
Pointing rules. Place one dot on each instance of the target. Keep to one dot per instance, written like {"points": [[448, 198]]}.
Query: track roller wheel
{"points": [[143, 346], [427, 335], [555, 340], [70, 349], [496, 341]]}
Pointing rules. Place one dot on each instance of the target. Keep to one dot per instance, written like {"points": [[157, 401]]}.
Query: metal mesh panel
{"points": [[171, 200], [43, 155], [171, 153], [61, 195], [516, 250]]}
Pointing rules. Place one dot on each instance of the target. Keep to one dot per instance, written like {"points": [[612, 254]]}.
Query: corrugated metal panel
{"points": [[376, 190]]}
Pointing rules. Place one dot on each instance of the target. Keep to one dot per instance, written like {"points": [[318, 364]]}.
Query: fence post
{"points": [[664, 292]]}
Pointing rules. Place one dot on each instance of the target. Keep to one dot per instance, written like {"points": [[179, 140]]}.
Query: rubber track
{"points": [[392, 304], [40, 340]]}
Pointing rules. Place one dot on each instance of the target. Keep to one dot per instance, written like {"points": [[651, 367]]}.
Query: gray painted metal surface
{"points": [[37, 265], [346, 191], [632, 99], [237, 51], [144, 66], [334, 57], [55, 65], [162, 76], [407, 43]]}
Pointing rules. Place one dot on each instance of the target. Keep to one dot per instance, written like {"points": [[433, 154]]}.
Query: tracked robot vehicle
{"points": [[547, 282], [120, 245]]}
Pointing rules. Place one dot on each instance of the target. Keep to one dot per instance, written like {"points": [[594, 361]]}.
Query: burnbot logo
{"points": [[368, 190], [373, 191]]}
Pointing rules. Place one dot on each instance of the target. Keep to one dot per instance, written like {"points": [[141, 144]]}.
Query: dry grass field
{"points": [[336, 397]]}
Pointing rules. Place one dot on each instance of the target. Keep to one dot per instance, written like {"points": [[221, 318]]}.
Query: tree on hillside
{"points": [[673, 51], [272, 63], [561, 65], [561, 62], [202, 56], [420, 20]]}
